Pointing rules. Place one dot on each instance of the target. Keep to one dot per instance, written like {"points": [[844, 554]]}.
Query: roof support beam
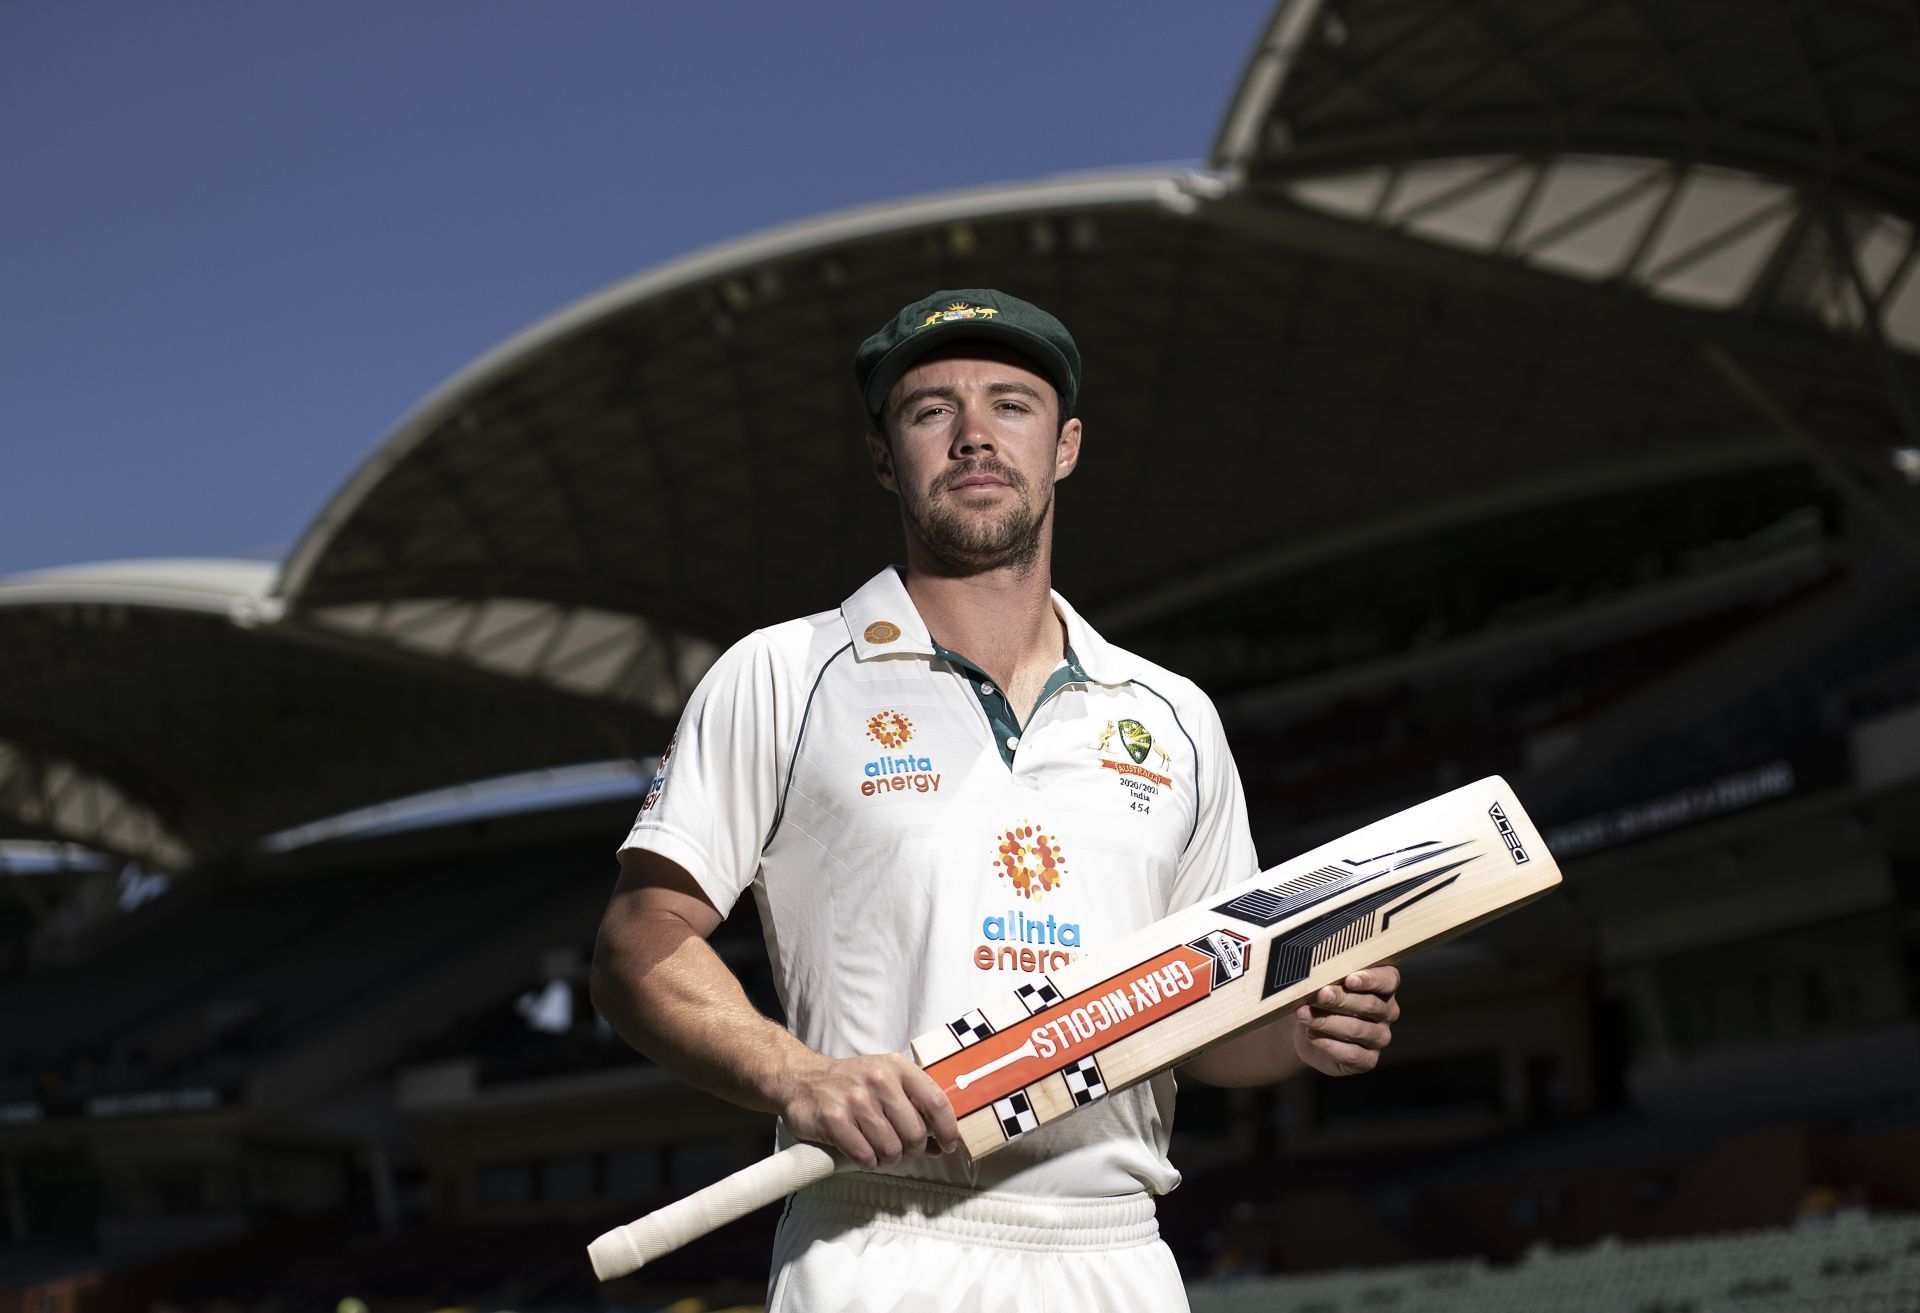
{"points": [[1841, 243], [1632, 312], [71, 802], [616, 724], [1897, 531]]}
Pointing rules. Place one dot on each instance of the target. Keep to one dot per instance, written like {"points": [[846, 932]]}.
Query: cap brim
{"points": [[909, 353]]}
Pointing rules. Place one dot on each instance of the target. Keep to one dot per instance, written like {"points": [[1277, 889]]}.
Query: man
{"points": [[945, 785]]}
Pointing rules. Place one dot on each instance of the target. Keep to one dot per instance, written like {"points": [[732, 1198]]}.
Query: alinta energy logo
{"points": [[889, 729], [1032, 864], [907, 773]]}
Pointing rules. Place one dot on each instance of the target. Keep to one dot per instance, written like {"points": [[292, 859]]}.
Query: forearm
{"points": [[664, 990], [1261, 1056]]}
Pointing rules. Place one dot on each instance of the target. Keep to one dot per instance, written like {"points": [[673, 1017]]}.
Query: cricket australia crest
{"points": [[1124, 747]]}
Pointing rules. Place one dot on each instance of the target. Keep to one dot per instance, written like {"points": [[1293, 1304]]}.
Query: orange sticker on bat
{"points": [[1075, 1027]]}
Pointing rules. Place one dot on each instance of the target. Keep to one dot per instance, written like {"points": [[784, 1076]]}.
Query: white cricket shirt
{"points": [[913, 849]]}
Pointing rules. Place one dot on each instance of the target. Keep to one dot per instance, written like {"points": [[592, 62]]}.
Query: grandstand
{"points": [[1852, 1263], [1545, 375]]}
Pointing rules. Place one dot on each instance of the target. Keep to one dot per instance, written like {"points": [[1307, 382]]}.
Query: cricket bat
{"points": [[1176, 988]]}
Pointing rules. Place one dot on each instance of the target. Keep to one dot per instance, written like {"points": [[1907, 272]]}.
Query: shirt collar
{"points": [[1100, 661], [882, 621]]}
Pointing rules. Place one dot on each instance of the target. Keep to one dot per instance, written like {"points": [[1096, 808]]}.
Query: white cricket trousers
{"points": [[872, 1244]]}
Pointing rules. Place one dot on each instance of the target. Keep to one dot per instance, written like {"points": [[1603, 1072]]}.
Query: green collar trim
{"points": [[1006, 726]]}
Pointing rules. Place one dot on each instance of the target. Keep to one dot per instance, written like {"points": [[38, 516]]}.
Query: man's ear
{"points": [[882, 454], [1066, 451]]}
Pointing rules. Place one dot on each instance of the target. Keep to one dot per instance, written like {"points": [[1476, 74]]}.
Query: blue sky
{"points": [[240, 240]]}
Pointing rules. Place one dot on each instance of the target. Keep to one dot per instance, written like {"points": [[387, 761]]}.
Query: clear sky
{"points": [[239, 240]]}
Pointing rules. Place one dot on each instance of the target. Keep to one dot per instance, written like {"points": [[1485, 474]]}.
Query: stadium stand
{"points": [[212, 987], [1850, 1263]]}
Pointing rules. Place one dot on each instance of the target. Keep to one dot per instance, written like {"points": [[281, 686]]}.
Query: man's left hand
{"points": [[1343, 1028]]}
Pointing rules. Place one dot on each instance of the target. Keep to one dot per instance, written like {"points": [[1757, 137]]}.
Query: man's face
{"points": [[976, 449]]}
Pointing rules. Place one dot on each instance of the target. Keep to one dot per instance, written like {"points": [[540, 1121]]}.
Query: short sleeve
{"points": [[712, 802], [1221, 852]]}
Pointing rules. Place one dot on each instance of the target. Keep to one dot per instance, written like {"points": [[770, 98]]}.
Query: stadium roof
{"points": [[146, 713], [1475, 299], [682, 451], [1753, 156], [1818, 96]]}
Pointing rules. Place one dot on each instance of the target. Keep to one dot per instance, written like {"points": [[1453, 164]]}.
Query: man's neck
{"points": [[1001, 620]]}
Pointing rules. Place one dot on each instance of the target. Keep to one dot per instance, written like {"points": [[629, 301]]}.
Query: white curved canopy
{"points": [[146, 712]]}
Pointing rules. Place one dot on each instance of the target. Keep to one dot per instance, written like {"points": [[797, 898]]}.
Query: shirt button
{"points": [[1013, 741], [986, 690]]}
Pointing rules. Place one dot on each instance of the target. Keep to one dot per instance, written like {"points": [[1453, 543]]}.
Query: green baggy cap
{"points": [[971, 314]]}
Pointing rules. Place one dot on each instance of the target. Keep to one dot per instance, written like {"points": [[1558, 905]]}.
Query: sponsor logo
{"points": [[1124, 747], [1512, 840], [1014, 941], [908, 773], [889, 729], [956, 311], [899, 775], [1031, 863], [659, 784], [1030, 860]]}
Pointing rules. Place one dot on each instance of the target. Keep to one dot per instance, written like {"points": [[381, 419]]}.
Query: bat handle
{"points": [[626, 1249]]}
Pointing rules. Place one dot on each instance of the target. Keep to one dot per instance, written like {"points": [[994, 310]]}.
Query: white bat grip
{"points": [[626, 1249]]}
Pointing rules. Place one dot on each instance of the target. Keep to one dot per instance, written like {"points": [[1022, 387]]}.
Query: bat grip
{"points": [[626, 1249]]}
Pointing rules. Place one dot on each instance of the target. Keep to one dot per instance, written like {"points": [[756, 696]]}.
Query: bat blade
{"points": [[1173, 990], [1207, 973]]}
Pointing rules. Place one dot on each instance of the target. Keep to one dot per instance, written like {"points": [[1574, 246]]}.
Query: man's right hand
{"points": [[876, 1110], [660, 984]]}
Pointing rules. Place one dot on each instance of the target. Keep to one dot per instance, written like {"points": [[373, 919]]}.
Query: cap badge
{"points": [[882, 631], [958, 310]]}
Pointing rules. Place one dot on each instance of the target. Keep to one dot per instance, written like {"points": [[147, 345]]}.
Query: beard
{"points": [[958, 542]]}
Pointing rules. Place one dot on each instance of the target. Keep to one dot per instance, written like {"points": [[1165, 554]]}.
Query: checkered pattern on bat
{"points": [[1084, 1081], [971, 1029], [1035, 997], [1015, 1114]]}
